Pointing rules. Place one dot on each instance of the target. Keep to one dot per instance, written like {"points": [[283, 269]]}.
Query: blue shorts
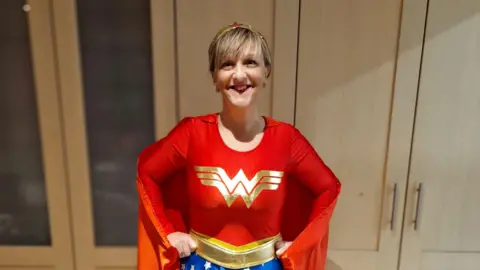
{"points": [[195, 262]]}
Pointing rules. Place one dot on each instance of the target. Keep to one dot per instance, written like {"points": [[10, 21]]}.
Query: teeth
{"points": [[241, 88]]}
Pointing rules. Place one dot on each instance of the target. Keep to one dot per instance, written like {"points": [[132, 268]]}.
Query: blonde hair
{"points": [[231, 40]]}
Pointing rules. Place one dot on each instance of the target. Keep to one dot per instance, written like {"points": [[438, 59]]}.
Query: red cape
{"points": [[309, 235]]}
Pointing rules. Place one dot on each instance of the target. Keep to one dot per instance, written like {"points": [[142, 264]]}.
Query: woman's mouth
{"points": [[240, 88]]}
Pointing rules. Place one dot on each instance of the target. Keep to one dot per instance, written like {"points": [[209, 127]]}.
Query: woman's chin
{"points": [[241, 103]]}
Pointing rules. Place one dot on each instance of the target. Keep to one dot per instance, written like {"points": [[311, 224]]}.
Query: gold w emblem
{"points": [[240, 185]]}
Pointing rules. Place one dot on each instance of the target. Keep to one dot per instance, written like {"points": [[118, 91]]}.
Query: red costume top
{"points": [[191, 181]]}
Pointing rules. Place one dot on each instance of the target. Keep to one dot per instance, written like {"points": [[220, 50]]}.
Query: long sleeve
{"points": [[308, 168], [160, 161], [312, 199]]}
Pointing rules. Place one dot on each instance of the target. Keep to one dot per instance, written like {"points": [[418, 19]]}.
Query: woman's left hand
{"points": [[281, 246]]}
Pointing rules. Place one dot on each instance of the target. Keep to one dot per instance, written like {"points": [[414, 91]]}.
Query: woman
{"points": [[234, 190]]}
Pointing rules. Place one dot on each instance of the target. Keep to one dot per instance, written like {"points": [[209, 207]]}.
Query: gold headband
{"points": [[238, 25]]}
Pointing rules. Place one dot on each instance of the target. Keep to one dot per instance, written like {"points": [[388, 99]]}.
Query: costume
{"points": [[236, 205], [196, 262]]}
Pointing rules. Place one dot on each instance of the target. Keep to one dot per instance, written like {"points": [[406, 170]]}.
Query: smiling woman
{"points": [[240, 64], [247, 177]]}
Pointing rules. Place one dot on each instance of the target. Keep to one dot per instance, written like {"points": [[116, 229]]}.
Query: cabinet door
{"points": [[355, 100], [34, 224], [108, 96], [442, 220], [199, 21]]}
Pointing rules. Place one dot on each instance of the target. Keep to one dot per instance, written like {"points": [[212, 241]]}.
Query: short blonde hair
{"points": [[230, 41]]}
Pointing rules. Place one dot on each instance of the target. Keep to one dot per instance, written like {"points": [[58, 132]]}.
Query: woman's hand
{"points": [[183, 242], [281, 246]]}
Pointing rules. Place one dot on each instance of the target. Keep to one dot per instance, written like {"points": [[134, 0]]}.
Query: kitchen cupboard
{"points": [[345, 97], [396, 111], [440, 230], [386, 91]]}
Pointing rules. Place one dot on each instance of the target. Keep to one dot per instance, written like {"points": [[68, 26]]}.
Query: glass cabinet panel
{"points": [[118, 98], [24, 218]]}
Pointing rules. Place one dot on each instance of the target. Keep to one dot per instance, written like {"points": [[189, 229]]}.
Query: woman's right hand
{"points": [[183, 242]]}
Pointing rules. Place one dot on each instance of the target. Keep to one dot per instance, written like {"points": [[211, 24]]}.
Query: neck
{"points": [[244, 123]]}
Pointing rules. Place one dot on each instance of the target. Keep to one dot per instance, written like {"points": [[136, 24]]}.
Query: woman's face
{"points": [[240, 78]]}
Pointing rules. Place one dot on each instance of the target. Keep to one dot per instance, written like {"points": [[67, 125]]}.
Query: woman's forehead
{"points": [[247, 50]]}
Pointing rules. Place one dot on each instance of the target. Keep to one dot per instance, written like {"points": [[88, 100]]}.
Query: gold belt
{"points": [[235, 257]]}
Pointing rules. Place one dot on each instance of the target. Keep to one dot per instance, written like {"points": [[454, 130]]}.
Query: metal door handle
{"points": [[394, 207], [418, 207]]}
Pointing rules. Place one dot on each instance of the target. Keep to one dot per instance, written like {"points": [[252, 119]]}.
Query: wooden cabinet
{"points": [[388, 93], [345, 93], [442, 219], [395, 111]]}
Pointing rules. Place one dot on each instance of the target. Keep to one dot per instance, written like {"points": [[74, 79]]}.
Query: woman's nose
{"points": [[239, 72]]}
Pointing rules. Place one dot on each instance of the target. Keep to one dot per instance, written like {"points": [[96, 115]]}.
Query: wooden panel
{"points": [[115, 268], [357, 74], [346, 67], [284, 74], [164, 74], [26, 256], [341, 260], [52, 136], [27, 268], [446, 149], [65, 19], [448, 261], [116, 257]]}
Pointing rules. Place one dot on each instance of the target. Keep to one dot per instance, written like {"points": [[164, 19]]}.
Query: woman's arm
{"points": [[317, 182], [158, 162], [308, 168]]}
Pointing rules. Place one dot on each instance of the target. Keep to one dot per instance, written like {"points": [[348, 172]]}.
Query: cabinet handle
{"points": [[418, 207], [394, 208]]}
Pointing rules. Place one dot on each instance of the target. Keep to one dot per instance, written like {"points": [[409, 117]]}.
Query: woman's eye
{"points": [[251, 63], [227, 65]]}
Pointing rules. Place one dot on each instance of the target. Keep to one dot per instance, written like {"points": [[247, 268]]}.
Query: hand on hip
{"points": [[183, 242]]}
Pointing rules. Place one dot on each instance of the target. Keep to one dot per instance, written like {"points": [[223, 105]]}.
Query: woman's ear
{"points": [[268, 70]]}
